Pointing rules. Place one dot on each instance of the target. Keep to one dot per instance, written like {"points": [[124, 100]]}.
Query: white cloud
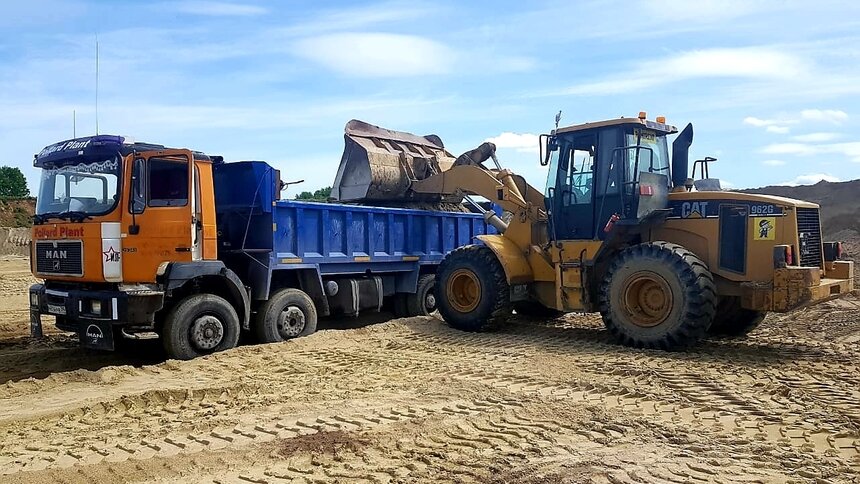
{"points": [[816, 137], [824, 115], [523, 142], [758, 122], [217, 9], [744, 62], [810, 179], [850, 150], [778, 129], [773, 162], [799, 149], [377, 54]]}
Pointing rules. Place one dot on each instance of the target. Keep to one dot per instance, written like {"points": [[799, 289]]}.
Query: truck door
{"points": [[159, 225]]}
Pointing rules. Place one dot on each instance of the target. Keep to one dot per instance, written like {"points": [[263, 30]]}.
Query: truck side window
{"points": [[168, 182]]}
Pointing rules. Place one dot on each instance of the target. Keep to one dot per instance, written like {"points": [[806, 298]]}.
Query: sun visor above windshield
{"points": [[79, 150]]}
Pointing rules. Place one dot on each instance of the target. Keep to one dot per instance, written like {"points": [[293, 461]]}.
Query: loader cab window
{"points": [[168, 182], [573, 182], [647, 152]]}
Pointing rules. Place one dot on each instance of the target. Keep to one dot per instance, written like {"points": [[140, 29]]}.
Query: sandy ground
{"points": [[413, 401]]}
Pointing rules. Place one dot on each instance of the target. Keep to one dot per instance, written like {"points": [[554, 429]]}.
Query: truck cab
{"points": [[118, 226]]}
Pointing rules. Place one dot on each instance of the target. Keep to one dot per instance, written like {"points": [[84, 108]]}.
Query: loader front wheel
{"points": [[658, 295], [471, 288], [734, 321]]}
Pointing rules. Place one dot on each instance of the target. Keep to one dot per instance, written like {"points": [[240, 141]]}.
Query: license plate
{"points": [[55, 309]]}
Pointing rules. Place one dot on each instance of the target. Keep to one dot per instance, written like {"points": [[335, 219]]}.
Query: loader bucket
{"points": [[379, 165]]}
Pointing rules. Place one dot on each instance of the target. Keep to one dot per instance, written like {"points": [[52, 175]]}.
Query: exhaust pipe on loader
{"points": [[680, 158]]}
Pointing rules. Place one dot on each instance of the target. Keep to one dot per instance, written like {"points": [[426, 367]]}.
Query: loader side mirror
{"points": [[548, 144]]}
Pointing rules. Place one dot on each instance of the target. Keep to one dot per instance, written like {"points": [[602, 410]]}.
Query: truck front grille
{"points": [[61, 257], [809, 232]]}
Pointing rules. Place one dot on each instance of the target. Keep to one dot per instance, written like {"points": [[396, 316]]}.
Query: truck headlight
{"points": [[96, 306], [34, 299]]}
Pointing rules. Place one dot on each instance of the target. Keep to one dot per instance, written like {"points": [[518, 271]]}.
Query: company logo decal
{"points": [[764, 228], [94, 334], [112, 255]]}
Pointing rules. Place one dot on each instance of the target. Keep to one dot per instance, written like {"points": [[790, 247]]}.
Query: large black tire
{"points": [[423, 301], [732, 320], [658, 295], [289, 313], [199, 325], [471, 288], [534, 309]]}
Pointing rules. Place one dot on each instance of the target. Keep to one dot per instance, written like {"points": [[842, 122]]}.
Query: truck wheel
{"points": [[658, 295], [734, 321], [423, 301], [534, 309], [199, 325], [471, 288], [289, 313]]}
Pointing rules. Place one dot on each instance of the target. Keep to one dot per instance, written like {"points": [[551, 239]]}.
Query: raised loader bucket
{"points": [[379, 165]]}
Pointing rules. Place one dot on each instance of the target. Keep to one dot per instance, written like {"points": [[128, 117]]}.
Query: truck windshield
{"points": [[83, 189], [653, 153]]}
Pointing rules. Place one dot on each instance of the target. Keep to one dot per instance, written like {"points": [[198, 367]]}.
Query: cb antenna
{"points": [[557, 118], [97, 84]]}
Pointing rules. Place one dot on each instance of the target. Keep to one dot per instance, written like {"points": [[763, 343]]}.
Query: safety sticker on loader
{"points": [[764, 228]]}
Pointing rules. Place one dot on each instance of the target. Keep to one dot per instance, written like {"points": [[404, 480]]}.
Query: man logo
{"points": [[94, 334], [56, 266]]}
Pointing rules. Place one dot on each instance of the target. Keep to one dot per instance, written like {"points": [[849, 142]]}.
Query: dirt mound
{"points": [[17, 212]]}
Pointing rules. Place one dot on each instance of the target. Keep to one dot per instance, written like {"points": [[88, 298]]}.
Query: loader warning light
{"points": [[642, 115], [661, 119]]}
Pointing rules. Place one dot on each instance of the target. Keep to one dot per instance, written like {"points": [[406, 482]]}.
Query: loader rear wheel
{"points": [[734, 321], [658, 295], [289, 313], [199, 325], [471, 288]]}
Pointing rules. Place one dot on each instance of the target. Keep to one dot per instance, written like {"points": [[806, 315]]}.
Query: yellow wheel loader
{"points": [[619, 229]]}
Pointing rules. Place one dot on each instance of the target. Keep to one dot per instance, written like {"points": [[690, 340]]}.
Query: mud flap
{"points": [[36, 324], [97, 335]]}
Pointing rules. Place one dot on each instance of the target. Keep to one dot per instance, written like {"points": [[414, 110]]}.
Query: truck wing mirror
{"points": [[548, 144], [137, 197]]}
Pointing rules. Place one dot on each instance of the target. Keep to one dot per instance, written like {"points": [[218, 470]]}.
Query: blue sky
{"points": [[772, 87]]}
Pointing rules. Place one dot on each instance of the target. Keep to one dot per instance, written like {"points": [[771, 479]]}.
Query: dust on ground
{"points": [[413, 401]]}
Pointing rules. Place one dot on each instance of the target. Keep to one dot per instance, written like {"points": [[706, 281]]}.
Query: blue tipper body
{"points": [[260, 235]]}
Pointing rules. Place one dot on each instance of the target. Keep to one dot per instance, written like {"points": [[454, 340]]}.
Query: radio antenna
{"points": [[74, 124], [97, 84]]}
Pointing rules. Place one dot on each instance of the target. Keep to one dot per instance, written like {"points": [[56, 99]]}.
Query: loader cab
{"points": [[595, 170]]}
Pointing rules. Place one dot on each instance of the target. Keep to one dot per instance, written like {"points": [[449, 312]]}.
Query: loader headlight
{"points": [[96, 306]]}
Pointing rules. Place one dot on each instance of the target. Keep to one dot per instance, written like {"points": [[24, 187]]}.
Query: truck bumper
{"points": [[796, 287], [92, 314]]}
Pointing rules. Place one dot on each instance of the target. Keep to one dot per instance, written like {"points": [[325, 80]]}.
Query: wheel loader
{"points": [[620, 229]]}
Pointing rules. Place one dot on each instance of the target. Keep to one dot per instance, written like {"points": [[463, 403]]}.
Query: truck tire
{"points": [[471, 288], [289, 313], [658, 295], [199, 325], [423, 301], [734, 321], [534, 309]]}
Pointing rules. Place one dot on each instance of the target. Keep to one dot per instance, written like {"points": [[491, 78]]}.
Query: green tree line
{"points": [[12, 183]]}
